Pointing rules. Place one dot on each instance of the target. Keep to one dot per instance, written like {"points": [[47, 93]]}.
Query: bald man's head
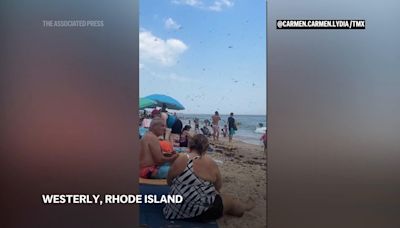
{"points": [[157, 126]]}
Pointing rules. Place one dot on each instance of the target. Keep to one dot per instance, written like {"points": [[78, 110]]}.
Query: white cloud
{"points": [[174, 77], [219, 5], [171, 24], [216, 5], [188, 2], [155, 49]]}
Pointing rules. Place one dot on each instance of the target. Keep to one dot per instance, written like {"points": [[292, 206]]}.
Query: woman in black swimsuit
{"points": [[184, 137], [196, 177]]}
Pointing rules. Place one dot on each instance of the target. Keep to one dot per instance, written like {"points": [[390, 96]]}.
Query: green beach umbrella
{"points": [[146, 103]]}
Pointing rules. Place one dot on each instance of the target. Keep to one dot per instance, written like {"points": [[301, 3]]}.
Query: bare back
{"points": [[149, 145], [164, 116], [203, 167], [215, 119]]}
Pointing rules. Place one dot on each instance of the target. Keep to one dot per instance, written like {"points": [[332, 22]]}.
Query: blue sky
{"points": [[210, 55]]}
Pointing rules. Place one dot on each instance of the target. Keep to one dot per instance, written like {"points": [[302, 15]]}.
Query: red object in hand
{"points": [[166, 147]]}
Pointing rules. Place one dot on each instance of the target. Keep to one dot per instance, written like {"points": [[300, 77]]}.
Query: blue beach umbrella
{"points": [[146, 103], [164, 99]]}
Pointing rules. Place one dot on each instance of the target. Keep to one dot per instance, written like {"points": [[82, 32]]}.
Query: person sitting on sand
{"points": [[153, 163], [196, 177], [184, 139], [215, 125], [205, 131]]}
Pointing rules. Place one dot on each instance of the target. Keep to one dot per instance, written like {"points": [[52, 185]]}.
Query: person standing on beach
{"points": [[155, 113], [176, 131], [225, 130], [232, 126], [164, 116], [264, 139], [215, 121], [196, 125]]}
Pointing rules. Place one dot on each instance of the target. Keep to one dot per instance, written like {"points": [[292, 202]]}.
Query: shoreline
{"points": [[259, 142], [245, 138]]}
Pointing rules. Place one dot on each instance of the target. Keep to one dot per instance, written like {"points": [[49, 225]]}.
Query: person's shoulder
{"points": [[180, 161], [209, 159], [146, 140], [150, 137], [181, 157], [145, 137], [213, 167]]}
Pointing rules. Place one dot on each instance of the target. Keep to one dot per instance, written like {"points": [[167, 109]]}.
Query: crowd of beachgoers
{"points": [[219, 177]]}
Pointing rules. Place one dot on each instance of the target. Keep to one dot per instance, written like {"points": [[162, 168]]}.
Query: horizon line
{"points": [[223, 114]]}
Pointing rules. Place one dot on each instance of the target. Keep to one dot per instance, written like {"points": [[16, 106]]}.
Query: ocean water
{"points": [[246, 124]]}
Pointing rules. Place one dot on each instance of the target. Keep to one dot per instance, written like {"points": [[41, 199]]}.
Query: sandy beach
{"points": [[244, 175]]}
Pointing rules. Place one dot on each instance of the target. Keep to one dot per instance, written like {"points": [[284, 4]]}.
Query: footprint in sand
{"points": [[228, 179], [251, 203]]}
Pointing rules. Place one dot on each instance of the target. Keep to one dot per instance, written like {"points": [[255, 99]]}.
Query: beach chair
{"points": [[151, 215]]}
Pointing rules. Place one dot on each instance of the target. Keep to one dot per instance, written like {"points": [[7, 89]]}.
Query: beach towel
{"points": [[162, 171], [142, 131], [151, 215], [155, 172]]}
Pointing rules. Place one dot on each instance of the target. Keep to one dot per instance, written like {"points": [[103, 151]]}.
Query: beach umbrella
{"points": [[146, 103], [164, 99]]}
